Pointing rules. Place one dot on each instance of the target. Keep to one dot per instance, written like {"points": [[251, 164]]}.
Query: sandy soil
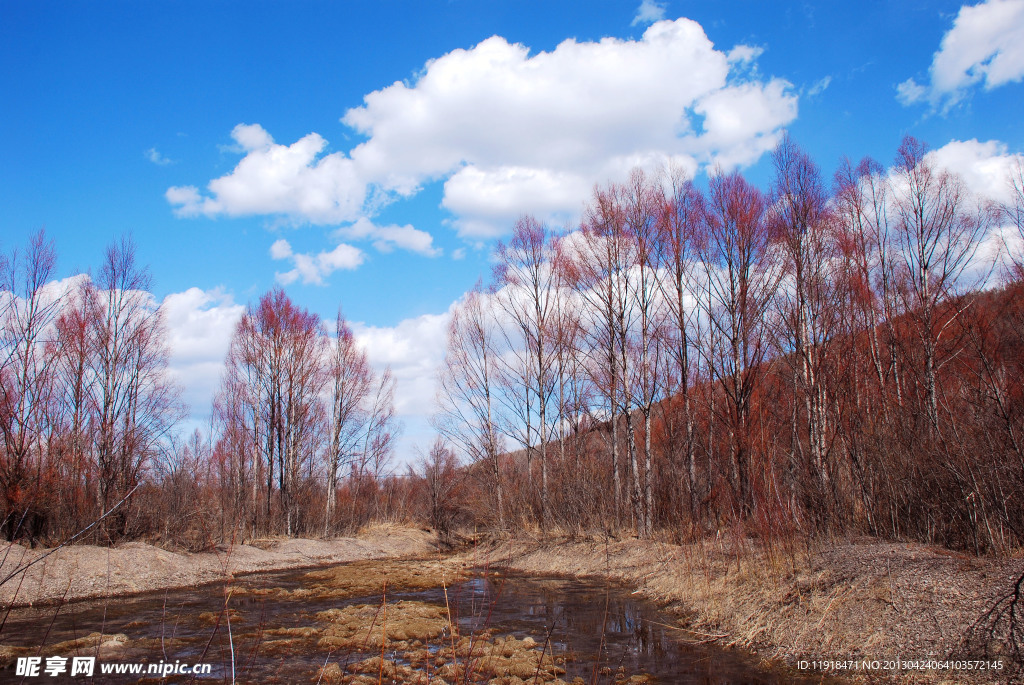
{"points": [[842, 600], [85, 571]]}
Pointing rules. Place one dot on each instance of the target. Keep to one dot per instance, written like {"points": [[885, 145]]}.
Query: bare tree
{"points": [[350, 384], [1013, 211], [808, 301], [441, 475], [27, 314], [679, 226], [378, 435], [467, 387], [643, 205], [275, 373], [741, 280], [596, 265], [861, 208], [136, 403], [72, 352], [527, 285], [938, 231]]}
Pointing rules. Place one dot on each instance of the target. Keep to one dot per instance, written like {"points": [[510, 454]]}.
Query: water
{"points": [[597, 632]]}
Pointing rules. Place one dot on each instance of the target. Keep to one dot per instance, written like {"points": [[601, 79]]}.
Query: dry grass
{"points": [[479, 658], [367, 626], [93, 644], [841, 600], [413, 641], [366, 578]]}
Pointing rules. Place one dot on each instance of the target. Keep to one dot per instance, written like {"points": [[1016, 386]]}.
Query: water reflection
{"points": [[595, 631]]}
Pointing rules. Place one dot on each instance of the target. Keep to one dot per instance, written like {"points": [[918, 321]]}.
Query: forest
{"points": [[823, 356]]}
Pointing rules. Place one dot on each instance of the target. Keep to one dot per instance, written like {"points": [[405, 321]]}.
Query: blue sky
{"points": [[368, 154]]}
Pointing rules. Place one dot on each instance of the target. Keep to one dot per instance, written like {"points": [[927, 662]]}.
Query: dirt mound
{"points": [[86, 571]]}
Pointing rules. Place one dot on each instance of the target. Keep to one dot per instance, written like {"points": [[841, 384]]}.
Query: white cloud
{"points": [[985, 46], [251, 137], [187, 199], [820, 86], [290, 180], [649, 12], [312, 269], [533, 133], [387, 238], [280, 249], [414, 349], [984, 166], [153, 155], [910, 91], [744, 54], [743, 122], [342, 257], [199, 329], [528, 132], [493, 196]]}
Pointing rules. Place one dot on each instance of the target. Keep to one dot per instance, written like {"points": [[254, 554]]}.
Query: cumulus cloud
{"points": [[281, 249], [486, 199], [313, 269], [200, 324], [387, 238], [985, 167], [985, 46], [251, 137], [533, 133], [413, 350], [512, 132], [290, 180], [649, 12]]}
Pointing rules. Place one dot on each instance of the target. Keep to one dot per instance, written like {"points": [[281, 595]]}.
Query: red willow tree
{"points": [[27, 312], [809, 307], [741, 279], [136, 404], [804, 359], [86, 400], [294, 408]]}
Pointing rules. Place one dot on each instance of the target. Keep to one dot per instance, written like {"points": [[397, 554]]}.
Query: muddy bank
{"points": [[86, 571], [839, 601], [437, 625]]}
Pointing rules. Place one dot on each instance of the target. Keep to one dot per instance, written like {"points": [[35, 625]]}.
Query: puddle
{"points": [[497, 629]]}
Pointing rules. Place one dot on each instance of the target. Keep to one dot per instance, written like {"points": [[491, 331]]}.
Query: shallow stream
{"points": [[571, 629]]}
